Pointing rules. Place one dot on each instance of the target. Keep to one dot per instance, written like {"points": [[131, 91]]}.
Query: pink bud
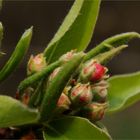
{"points": [[81, 95], [36, 64], [93, 71], [63, 102], [99, 91], [94, 111], [98, 73], [66, 57]]}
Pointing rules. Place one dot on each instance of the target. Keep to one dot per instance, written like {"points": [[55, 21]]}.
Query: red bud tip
{"points": [[98, 73]]}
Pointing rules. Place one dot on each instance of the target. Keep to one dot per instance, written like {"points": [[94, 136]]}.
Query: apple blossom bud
{"points": [[66, 57], [27, 94], [81, 95], [94, 111], [92, 71], [63, 102], [36, 64], [99, 91]]}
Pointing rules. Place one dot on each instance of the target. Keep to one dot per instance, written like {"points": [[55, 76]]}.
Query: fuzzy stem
{"points": [[38, 76]]}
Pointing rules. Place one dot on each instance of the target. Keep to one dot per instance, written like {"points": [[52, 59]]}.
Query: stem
{"points": [[38, 76]]}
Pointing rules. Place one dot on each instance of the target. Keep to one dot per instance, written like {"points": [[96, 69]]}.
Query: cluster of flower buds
{"points": [[36, 64], [88, 93]]}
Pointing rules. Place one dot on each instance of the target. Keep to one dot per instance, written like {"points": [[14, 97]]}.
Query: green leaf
{"points": [[14, 113], [103, 58], [57, 85], [124, 90], [17, 55], [110, 43], [76, 30], [74, 128]]}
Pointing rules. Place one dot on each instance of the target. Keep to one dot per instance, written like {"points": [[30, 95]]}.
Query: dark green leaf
{"points": [[17, 55], [76, 30], [124, 90], [14, 113], [110, 43], [57, 85], [74, 128]]}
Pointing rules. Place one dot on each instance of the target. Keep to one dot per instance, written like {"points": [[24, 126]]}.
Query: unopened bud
{"points": [[93, 71], [94, 111], [63, 102], [36, 64], [99, 91], [26, 96], [66, 57], [81, 95]]}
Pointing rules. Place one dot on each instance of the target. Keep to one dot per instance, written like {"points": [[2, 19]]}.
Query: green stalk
{"points": [[34, 97], [38, 76], [110, 43], [103, 58]]}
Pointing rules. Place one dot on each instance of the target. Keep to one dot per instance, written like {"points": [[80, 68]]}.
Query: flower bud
{"points": [[66, 57], [27, 94], [63, 102], [99, 91], [36, 64], [81, 95], [63, 105], [93, 71], [94, 111]]}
